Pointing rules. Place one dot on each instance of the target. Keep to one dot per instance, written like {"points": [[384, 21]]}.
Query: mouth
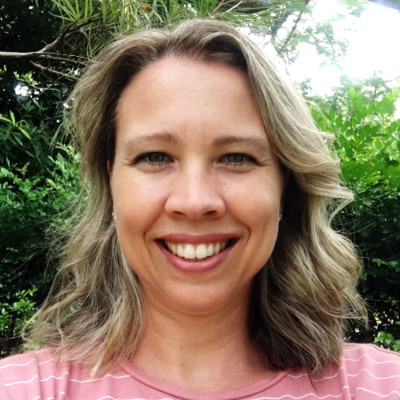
{"points": [[197, 252]]}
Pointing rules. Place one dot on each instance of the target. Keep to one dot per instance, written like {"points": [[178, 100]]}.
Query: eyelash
{"points": [[245, 159], [147, 158]]}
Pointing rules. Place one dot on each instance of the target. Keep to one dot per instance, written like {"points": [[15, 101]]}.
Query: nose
{"points": [[195, 193]]}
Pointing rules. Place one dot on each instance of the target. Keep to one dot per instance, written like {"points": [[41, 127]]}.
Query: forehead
{"points": [[188, 97], [173, 74], [197, 104], [179, 84]]}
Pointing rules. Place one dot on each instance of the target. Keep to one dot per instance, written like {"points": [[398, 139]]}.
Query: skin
{"points": [[193, 165]]}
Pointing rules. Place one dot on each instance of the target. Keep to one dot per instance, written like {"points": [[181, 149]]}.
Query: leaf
{"points": [[12, 116], [2, 118], [24, 132]]}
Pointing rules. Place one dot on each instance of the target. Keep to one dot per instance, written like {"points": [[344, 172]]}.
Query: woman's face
{"points": [[197, 189]]}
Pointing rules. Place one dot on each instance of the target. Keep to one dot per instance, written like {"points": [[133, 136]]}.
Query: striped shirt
{"points": [[366, 372]]}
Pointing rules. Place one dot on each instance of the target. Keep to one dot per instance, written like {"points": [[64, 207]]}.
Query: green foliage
{"points": [[13, 317], [387, 340], [285, 23], [362, 116], [291, 26], [111, 17], [24, 26], [30, 205], [38, 182], [28, 130]]}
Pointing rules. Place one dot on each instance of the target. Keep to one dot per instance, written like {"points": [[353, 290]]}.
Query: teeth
{"points": [[196, 252], [189, 252], [180, 251], [201, 251]]}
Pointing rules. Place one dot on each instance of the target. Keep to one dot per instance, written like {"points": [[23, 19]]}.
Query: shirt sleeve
{"points": [[20, 376], [372, 373]]}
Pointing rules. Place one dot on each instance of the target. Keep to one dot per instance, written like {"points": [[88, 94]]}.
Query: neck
{"points": [[204, 353]]}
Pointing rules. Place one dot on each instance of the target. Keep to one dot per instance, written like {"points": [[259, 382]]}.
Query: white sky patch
{"points": [[373, 47], [324, 10], [308, 66]]}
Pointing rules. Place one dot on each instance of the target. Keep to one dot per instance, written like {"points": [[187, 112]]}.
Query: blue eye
{"points": [[156, 158], [237, 159], [153, 158]]}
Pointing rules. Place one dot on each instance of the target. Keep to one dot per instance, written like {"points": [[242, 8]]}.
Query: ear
{"points": [[109, 168]]}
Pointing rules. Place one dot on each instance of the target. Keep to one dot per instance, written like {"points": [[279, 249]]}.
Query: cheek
{"points": [[257, 207], [254, 198], [137, 204], [131, 193]]}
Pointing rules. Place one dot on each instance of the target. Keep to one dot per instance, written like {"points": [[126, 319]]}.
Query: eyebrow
{"points": [[165, 137], [169, 138], [232, 139]]}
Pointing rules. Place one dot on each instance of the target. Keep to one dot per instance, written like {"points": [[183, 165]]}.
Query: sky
{"points": [[373, 46]]}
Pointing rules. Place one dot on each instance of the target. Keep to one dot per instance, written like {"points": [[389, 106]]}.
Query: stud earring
{"points": [[280, 217], [114, 217]]}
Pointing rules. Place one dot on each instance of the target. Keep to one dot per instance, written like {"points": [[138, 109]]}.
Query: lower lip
{"points": [[189, 266]]}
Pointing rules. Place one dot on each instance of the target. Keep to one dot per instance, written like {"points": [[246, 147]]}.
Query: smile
{"points": [[196, 251]]}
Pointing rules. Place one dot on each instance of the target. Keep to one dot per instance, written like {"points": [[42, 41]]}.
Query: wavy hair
{"points": [[304, 296]]}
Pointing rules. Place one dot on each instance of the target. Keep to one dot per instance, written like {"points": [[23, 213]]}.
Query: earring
{"points": [[280, 217], [114, 217]]}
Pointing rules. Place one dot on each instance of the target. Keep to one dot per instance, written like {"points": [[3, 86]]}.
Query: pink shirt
{"points": [[366, 372]]}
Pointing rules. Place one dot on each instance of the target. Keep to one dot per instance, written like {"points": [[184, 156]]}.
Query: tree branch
{"points": [[64, 59], [278, 25], [52, 71], [65, 34], [293, 30], [45, 51]]}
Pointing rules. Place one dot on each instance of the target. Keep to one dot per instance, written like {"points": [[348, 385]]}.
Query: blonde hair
{"points": [[305, 294]]}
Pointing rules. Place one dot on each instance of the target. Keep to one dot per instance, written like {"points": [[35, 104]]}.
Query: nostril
{"points": [[211, 212]]}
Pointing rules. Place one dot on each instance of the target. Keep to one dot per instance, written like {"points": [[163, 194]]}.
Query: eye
{"points": [[153, 158], [238, 159]]}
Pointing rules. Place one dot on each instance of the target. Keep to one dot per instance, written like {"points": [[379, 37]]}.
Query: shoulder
{"points": [[23, 365], [26, 375], [371, 356], [40, 375], [371, 372]]}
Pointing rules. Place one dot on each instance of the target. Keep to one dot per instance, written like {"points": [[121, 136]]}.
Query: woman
{"points": [[204, 265]]}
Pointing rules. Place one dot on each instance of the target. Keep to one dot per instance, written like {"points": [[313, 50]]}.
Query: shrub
{"points": [[362, 117], [30, 205]]}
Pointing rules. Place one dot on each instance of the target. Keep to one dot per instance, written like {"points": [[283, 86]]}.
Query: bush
{"points": [[13, 317], [362, 117], [38, 183], [30, 206]]}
